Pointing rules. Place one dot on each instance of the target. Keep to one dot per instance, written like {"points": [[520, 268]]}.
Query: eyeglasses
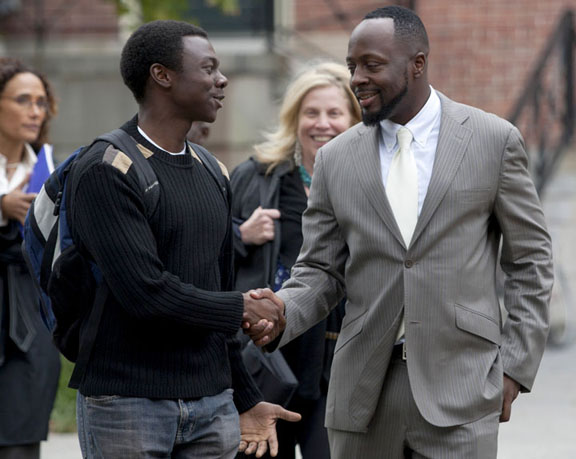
{"points": [[27, 102]]}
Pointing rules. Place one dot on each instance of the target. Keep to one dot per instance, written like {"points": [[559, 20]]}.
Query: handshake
{"points": [[263, 318]]}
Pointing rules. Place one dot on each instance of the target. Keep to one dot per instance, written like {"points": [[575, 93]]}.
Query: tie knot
{"points": [[404, 137]]}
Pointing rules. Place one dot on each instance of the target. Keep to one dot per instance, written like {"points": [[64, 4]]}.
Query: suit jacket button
{"points": [[408, 264]]}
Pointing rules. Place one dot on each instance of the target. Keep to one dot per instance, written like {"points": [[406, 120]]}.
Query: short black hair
{"points": [[407, 25], [157, 42]]}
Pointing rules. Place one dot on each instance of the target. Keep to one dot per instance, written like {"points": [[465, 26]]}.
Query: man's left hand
{"points": [[258, 428], [511, 390]]}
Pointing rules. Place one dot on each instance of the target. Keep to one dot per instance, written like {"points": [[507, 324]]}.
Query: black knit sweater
{"points": [[168, 330]]}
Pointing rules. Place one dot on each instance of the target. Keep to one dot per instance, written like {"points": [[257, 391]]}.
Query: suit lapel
{"points": [[453, 142], [366, 160]]}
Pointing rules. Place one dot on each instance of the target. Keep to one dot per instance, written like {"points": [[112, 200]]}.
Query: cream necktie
{"points": [[402, 186], [402, 192]]}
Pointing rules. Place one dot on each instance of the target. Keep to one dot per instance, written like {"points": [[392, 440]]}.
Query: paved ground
{"points": [[543, 423], [61, 446]]}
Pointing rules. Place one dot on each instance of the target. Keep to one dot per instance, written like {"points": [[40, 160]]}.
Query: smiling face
{"points": [[324, 113], [21, 115], [383, 70], [198, 89]]}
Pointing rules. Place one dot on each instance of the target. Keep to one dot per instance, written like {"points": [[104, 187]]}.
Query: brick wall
{"points": [[63, 18], [315, 15], [481, 51]]}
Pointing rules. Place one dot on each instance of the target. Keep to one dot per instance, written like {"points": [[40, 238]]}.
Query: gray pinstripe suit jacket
{"points": [[458, 349]]}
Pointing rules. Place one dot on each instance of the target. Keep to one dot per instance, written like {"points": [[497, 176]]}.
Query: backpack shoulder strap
{"points": [[149, 183], [211, 163], [146, 175], [88, 335]]}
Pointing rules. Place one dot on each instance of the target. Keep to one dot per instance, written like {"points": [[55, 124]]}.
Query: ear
{"points": [[160, 75], [419, 65]]}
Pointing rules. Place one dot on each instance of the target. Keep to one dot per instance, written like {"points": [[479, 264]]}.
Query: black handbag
{"points": [[271, 373]]}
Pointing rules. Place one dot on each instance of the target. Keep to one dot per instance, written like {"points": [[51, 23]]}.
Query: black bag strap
{"points": [[146, 175], [267, 252], [88, 334], [149, 182], [269, 192], [214, 168]]}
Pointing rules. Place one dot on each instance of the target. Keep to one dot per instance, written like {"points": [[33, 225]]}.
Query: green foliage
{"points": [[173, 9], [150, 10], [63, 418], [229, 7]]}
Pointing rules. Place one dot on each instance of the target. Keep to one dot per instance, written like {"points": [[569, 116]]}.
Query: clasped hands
{"points": [[263, 318]]}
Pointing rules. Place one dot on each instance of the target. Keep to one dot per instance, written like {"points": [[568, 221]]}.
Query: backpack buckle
{"points": [[57, 204]]}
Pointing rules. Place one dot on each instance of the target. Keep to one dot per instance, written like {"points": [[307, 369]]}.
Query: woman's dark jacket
{"points": [[29, 362], [310, 355]]}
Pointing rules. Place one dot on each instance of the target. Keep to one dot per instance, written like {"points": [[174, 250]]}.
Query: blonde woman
{"points": [[269, 196]]}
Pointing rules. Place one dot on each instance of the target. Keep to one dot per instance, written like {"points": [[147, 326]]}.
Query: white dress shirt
{"points": [[424, 127], [21, 171]]}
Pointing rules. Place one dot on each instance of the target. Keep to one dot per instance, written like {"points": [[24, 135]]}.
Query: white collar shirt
{"points": [[425, 127], [22, 170]]}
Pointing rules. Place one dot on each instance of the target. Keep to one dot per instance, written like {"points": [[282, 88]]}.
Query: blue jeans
{"points": [[113, 427]]}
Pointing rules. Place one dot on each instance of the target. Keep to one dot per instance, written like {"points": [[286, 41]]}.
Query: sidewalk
{"points": [[65, 446], [61, 446], [543, 422]]}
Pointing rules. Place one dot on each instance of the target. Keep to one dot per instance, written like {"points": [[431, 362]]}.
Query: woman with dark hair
{"points": [[29, 363]]}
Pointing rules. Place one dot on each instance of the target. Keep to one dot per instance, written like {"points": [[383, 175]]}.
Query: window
{"points": [[254, 17]]}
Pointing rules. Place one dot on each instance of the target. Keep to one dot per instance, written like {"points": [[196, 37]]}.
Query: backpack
{"points": [[71, 288]]}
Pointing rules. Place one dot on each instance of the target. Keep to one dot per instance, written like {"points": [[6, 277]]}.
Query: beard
{"points": [[372, 119]]}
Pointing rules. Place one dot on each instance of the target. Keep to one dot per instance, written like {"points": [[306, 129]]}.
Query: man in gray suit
{"points": [[406, 216]]}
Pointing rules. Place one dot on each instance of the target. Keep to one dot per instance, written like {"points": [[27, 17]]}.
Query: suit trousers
{"points": [[399, 431]]}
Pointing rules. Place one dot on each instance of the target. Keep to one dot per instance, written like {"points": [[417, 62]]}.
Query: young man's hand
{"points": [[258, 428]]}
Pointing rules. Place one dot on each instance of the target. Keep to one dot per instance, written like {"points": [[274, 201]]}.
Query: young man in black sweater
{"points": [[164, 362]]}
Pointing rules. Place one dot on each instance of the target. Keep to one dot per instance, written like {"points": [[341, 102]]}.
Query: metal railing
{"points": [[545, 111]]}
